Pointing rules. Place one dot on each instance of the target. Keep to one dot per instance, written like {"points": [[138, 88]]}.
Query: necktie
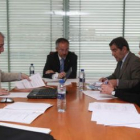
{"points": [[119, 65], [62, 65]]}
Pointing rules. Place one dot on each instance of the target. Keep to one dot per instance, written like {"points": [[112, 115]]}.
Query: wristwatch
{"points": [[113, 93]]}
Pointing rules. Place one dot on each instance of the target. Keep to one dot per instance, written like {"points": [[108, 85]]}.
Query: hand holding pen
{"points": [[107, 87]]}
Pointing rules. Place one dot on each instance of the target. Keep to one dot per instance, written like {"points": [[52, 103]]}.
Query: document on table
{"points": [[20, 116], [23, 112], [54, 82], [28, 128], [97, 95], [115, 118], [115, 114], [112, 107], [36, 81], [36, 107], [16, 95], [135, 125]]}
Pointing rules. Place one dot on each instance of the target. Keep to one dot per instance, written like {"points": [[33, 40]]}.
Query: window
{"points": [[92, 27], [34, 25], [132, 24]]}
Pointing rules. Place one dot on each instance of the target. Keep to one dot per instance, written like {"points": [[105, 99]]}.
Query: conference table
{"points": [[75, 123]]}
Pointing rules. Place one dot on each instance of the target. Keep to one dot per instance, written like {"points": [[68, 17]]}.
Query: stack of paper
{"points": [[22, 112], [115, 114], [55, 82], [16, 95], [36, 81], [97, 95]]}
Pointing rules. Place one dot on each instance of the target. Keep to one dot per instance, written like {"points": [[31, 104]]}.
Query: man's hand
{"points": [[61, 75], [24, 76], [103, 79], [107, 88], [113, 82], [49, 71], [3, 91]]}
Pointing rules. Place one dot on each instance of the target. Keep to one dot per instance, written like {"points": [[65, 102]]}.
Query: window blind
{"points": [[3, 29], [90, 25], [33, 27], [132, 24], [91, 30]]}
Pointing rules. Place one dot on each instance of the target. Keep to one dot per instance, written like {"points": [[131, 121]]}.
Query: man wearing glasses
{"points": [[59, 62]]}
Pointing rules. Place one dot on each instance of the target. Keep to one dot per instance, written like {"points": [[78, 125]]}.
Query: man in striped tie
{"points": [[59, 62]]}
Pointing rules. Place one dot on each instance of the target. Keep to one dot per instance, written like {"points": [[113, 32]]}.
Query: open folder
{"points": [[17, 132]]}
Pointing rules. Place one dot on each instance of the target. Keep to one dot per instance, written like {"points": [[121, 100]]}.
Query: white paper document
{"points": [[28, 128], [97, 95], [23, 112], [16, 95], [112, 107], [112, 118], [20, 116], [135, 125], [36, 107], [36, 81], [115, 114], [55, 82]]}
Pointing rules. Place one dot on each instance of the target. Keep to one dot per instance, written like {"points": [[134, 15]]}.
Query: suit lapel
{"points": [[124, 65], [67, 61], [57, 62]]}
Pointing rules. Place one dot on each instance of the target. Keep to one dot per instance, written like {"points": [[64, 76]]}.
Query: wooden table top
{"points": [[75, 123]]}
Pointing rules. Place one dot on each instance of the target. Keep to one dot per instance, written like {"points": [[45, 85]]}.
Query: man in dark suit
{"points": [[59, 62], [127, 72]]}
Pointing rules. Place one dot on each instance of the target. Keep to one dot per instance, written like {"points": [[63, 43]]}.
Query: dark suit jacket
{"points": [[130, 95], [53, 63], [129, 75]]}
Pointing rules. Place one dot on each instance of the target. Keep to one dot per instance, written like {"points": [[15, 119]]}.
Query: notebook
{"points": [[46, 93]]}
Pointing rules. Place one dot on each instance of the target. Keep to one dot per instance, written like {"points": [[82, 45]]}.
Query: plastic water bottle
{"points": [[81, 80], [31, 69], [61, 96]]}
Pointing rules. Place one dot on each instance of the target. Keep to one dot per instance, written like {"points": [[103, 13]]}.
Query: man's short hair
{"points": [[1, 34], [61, 40], [120, 42]]}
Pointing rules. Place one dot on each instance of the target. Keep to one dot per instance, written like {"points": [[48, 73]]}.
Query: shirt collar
{"points": [[60, 57], [125, 57]]}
